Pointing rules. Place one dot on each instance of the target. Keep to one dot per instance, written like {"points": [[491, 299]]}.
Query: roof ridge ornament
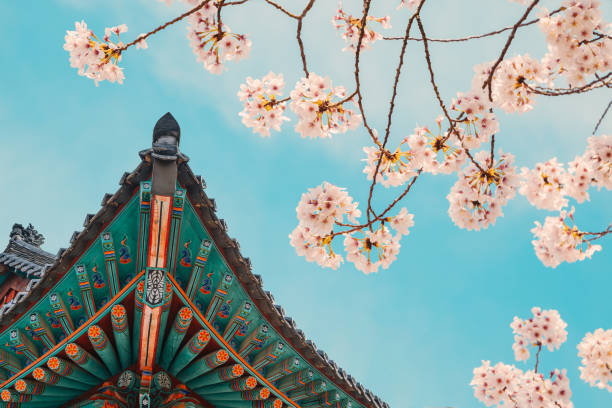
{"points": [[166, 138], [27, 234]]}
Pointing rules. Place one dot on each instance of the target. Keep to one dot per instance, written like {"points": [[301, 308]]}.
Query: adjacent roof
{"points": [[34, 260]]}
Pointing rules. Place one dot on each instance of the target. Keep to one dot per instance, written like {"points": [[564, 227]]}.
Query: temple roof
{"points": [[34, 260]]}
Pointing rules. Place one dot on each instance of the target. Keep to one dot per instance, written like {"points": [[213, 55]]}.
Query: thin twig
{"points": [[597, 83], [538, 357], [506, 46], [279, 7], [299, 35], [163, 26], [474, 37], [219, 23], [432, 80], [398, 72], [603, 115]]}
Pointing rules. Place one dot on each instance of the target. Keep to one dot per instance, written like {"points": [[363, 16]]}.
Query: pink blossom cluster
{"points": [[577, 46], [436, 153], [598, 156], [545, 328], [544, 185], [548, 184], [595, 349], [95, 59], [262, 109], [317, 212], [478, 120], [395, 168], [477, 198], [212, 45], [318, 114], [315, 248], [324, 205], [411, 4], [505, 385], [352, 28], [557, 242], [378, 247], [510, 87]]}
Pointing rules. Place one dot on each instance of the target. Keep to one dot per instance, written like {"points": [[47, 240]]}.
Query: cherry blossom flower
{"points": [[557, 242], [360, 251], [478, 121], [314, 247], [478, 195], [544, 185], [395, 168], [578, 179], [401, 222], [510, 85], [436, 153], [323, 205], [352, 28], [212, 46], [574, 50], [599, 158], [411, 4], [595, 349], [318, 114], [507, 386], [545, 328], [94, 58], [142, 43], [262, 109]]}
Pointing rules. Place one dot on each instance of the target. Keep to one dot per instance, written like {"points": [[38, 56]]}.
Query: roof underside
{"points": [[81, 304]]}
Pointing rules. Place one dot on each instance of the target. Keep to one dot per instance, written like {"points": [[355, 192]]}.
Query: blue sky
{"points": [[413, 333]]}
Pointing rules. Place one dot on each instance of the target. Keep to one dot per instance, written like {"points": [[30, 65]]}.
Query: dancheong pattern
{"points": [[152, 305]]}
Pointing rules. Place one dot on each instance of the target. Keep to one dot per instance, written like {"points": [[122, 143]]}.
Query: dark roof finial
{"points": [[166, 138], [167, 126], [27, 234]]}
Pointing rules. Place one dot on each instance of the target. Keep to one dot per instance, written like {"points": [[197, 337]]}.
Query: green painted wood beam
{"points": [[32, 387], [190, 351], [275, 403], [203, 365], [47, 377], [268, 355], [216, 376], [256, 394], [295, 380], [69, 370], [23, 344], [327, 399], [121, 333], [164, 319], [175, 336], [9, 361], [40, 327], [239, 384], [311, 389], [86, 361], [237, 320], [283, 368], [104, 348], [138, 306]]}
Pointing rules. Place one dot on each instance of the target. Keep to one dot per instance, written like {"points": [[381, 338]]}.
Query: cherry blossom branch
{"points": [[489, 80], [605, 80], [474, 37], [379, 217], [300, 19], [601, 118], [279, 7], [219, 22], [538, 357], [398, 71], [366, 9], [163, 26], [432, 80], [598, 235]]}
